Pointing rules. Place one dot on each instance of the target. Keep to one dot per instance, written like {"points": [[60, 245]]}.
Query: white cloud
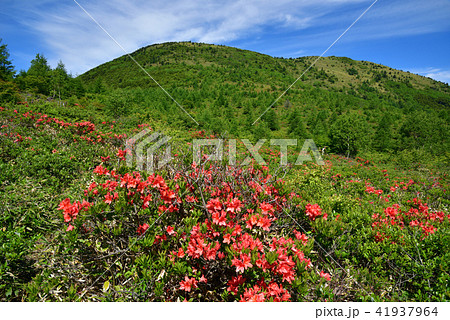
{"points": [[434, 73], [403, 18], [74, 37], [395, 18]]}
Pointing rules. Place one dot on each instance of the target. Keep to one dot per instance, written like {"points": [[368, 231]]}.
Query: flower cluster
{"points": [[265, 292], [371, 189], [71, 210], [229, 240], [152, 191], [417, 217], [313, 211], [235, 234], [84, 130], [188, 284]]}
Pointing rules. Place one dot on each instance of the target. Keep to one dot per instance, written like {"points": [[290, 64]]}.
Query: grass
{"points": [[41, 261]]}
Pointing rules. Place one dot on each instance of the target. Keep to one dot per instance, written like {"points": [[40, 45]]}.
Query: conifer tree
{"points": [[39, 75], [60, 81], [6, 67], [271, 119], [297, 129]]}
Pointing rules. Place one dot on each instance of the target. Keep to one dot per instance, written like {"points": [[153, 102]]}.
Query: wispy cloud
{"points": [[434, 73], [404, 18], [75, 39], [395, 18]]}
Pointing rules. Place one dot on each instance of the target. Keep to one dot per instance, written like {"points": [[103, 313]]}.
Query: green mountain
{"points": [[225, 89], [188, 65]]}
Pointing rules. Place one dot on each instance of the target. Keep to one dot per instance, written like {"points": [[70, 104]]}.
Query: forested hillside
{"points": [[226, 89]]}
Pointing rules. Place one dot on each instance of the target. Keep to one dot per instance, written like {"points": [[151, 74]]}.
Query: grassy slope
{"points": [[194, 55], [44, 264]]}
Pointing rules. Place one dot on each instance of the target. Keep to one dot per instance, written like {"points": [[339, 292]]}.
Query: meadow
{"points": [[79, 224]]}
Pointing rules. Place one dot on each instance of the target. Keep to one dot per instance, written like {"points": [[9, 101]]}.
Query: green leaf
{"points": [[106, 286]]}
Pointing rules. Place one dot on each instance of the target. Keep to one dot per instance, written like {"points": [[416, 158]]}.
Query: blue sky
{"points": [[410, 35]]}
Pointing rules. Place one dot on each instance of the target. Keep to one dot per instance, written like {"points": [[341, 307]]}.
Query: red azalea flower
{"points": [[142, 228], [266, 208], [170, 230], [234, 205], [234, 283], [302, 237], [243, 263], [326, 276], [219, 218], [180, 253], [188, 284], [108, 198], [214, 205], [313, 211], [122, 153], [227, 238], [146, 201], [190, 199], [238, 264]]}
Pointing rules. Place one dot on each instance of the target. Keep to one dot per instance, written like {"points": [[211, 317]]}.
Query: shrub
{"points": [[206, 228]]}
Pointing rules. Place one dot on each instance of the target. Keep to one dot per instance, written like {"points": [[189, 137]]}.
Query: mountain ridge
{"points": [[162, 54], [226, 89]]}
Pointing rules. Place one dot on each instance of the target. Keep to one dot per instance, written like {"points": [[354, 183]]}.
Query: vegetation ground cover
{"points": [[77, 224]]}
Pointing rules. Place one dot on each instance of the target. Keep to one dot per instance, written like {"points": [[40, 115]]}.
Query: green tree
{"points": [[39, 75], [271, 119], [425, 130], [217, 125], [261, 130], [247, 108], [221, 101], [348, 134], [9, 92], [383, 134], [97, 86], [320, 133], [76, 87], [297, 128], [39, 66], [6, 67], [118, 103], [60, 81]]}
